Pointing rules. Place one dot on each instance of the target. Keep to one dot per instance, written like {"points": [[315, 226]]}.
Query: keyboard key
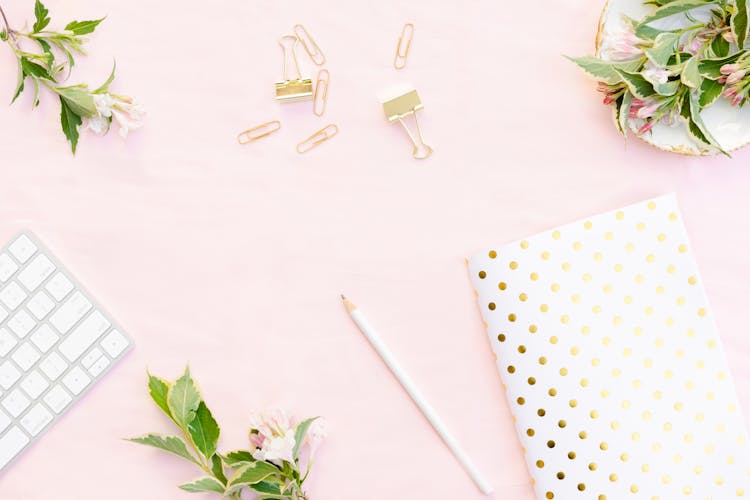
{"points": [[40, 305], [114, 343], [53, 366], [25, 356], [84, 336], [76, 380], [7, 341], [34, 384], [10, 444], [36, 419], [12, 296], [34, 274], [22, 323], [3, 314], [7, 267], [92, 356], [99, 366], [57, 399], [23, 248], [9, 374], [44, 338], [4, 421], [59, 286], [71, 311], [16, 402]]}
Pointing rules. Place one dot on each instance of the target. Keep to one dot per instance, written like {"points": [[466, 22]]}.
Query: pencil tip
{"points": [[343, 297]]}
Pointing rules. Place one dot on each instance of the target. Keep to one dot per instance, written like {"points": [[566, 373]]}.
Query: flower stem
{"points": [[8, 29]]}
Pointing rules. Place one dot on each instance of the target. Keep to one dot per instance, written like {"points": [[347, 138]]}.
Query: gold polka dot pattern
{"points": [[613, 367]]}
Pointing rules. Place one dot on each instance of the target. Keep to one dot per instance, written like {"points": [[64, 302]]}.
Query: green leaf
{"points": [[48, 52], [739, 22], [235, 458], [217, 467], [70, 122], [601, 70], [711, 68], [710, 92], [204, 484], [158, 389], [104, 87], [83, 27], [79, 99], [267, 487], [638, 86], [720, 47], [172, 444], [691, 75], [672, 8], [183, 399], [251, 473], [299, 434], [34, 69], [622, 113], [667, 89], [698, 128], [663, 49], [204, 430], [20, 83], [42, 19]]}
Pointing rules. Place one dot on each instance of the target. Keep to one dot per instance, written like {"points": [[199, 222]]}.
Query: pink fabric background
{"points": [[234, 257]]}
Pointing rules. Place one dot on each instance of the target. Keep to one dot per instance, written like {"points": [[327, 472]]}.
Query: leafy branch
{"points": [[46, 59], [271, 468], [651, 75]]}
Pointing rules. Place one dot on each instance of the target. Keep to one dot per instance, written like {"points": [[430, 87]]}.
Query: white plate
{"points": [[729, 125]]}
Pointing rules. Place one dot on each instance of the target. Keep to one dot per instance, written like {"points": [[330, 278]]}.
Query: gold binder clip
{"points": [[255, 133], [397, 108], [320, 97], [403, 46], [309, 45], [317, 138], [297, 89]]}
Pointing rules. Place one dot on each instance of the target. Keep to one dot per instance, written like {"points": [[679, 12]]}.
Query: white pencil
{"points": [[420, 401]]}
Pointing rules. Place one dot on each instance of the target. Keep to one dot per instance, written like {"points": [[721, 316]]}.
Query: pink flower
{"points": [[272, 436], [736, 77], [655, 74], [730, 92], [622, 45], [729, 37], [695, 45], [646, 127], [737, 100], [728, 69], [315, 435]]}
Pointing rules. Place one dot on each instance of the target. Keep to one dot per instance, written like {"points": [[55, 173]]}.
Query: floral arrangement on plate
{"points": [[274, 467], [46, 58], [676, 72]]}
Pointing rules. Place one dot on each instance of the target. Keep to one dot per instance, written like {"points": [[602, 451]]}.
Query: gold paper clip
{"points": [[320, 97], [407, 103], [403, 46], [297, 89], [255, 133], [309, 45], [317, 138]]}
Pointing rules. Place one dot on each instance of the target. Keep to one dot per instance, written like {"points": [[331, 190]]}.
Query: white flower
{"points": [[315, 435], [655, 74], [98, 124], [277, 449], [272, 435], [122, 109], [103, 103]]}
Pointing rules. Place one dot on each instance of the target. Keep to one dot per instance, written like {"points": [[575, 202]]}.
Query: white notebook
{"points": [[611, 360]]}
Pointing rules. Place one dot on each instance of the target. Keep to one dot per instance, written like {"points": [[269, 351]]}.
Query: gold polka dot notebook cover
{"points": [[611, 360]]}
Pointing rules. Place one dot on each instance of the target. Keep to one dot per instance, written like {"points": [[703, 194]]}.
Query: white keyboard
{"points": [[55, 343]]}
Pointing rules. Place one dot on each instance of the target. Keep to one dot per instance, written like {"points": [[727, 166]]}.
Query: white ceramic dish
{"points": [[729, 125]]}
